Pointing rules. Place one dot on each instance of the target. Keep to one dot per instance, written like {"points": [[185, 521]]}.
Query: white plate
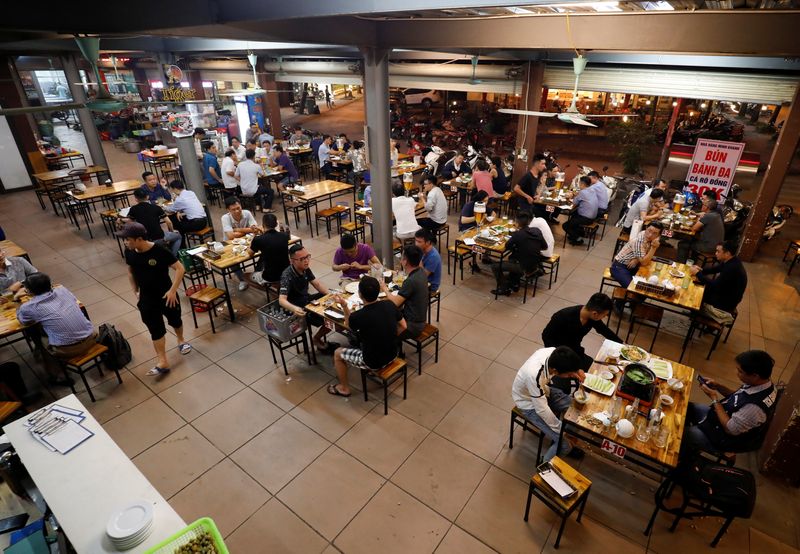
{"points": [[352, 288], [662, 368], [130, 520], [133, 541], [642, 350], [598, 384]]}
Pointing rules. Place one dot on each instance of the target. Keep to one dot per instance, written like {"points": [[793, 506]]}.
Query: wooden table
{"points": [[228, 263], [10, 325], [498, 249], [12, 249], [66, 156], [53, 183], [292, 151], [403, 169], [689, 298], [575, 421], [679, 231], [51, 177], [159, 160], [326, 302], [323, 190]]}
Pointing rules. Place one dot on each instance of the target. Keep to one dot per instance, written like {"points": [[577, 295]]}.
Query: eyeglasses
{"points": [[303, 259]]}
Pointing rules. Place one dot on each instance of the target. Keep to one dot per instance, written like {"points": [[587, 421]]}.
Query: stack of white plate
{"points": [[130, 525]]}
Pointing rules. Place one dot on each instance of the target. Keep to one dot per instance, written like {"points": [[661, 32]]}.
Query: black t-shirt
{"points": [[274, 249], [415, 307], [150, 216], [528, 184], [376, 326], [151, 271], [295, 286]]}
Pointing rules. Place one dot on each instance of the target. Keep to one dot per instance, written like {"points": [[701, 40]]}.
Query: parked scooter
{"points": [[777, 218], [608, 181]]}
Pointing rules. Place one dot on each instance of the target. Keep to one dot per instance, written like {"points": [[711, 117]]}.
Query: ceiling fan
{"points": [[571, 115]]}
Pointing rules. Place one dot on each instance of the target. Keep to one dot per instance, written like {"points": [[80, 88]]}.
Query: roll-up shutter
{"points": [[710, 85]]}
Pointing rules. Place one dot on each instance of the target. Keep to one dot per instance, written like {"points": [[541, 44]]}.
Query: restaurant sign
{"points": [[713, 166], [613, 448]]}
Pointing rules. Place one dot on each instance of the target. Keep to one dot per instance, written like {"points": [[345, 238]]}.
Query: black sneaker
{"points": [[576, 453], [501, 292]]}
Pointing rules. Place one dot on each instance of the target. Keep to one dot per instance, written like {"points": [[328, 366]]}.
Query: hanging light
{"points": [[647, 102], [625, 118], [763, 108], [674, 104], [703, 105], [691, 114]]}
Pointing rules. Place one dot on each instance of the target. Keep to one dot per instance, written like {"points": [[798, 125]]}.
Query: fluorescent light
{"points": [[185, 84], [156, 84], [659, 6], [611, 6], [703, 105], [518, 11], [647, 102], [763, 108], [625, 118], [208, 84]]}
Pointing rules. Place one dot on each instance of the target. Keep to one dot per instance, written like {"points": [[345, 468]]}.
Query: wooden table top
{"points": [[228, 259], [674, 416], [327, 302], [9, 324], [157, 154], [689, 298], [64, 156], [571, 476], [297, 151], [59, 174], [12, 249], [312, 191], [403, 169], [502, 236], [102, 191]]}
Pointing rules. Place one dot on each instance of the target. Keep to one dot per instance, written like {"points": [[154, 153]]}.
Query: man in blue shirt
{"points": [[431, 260], [186, 213], [324, 154], [585, 206], [154, 188], [600, 189], [284, 161], [211, 169]]}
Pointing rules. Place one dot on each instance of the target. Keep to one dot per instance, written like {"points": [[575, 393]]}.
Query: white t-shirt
{"points": [[240, 152], [403, 210], [229, 181], [229, 224], [530, 389], [547, 233], [436, 205], [248, 172]]}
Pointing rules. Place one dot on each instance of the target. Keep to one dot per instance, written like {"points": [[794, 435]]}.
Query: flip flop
{"points": [[329, 348], [336, 392], [157, 371]]}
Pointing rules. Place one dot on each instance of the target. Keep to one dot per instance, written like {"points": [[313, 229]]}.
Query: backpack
{"points": [[729, 489], [119, 351]]}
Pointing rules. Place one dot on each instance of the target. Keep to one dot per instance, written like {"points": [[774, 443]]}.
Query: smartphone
{"points": [[702, 380]]}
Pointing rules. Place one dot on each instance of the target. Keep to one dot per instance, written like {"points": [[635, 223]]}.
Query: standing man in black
{"points": [[148, 267], [525, 245], [569, 325], [526, 188], [273, 245]]}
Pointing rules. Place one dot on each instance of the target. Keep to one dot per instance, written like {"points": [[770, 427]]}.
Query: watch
{"points": [[715, 401]]}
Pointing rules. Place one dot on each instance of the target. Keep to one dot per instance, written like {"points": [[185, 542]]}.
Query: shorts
{"points": [[153, 312], [354, 357]]}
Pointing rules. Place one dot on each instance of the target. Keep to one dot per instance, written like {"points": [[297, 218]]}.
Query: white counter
{"points": [[84, 487]]}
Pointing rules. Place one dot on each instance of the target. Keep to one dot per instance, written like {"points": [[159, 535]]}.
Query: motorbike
{"points": [[777, 218], [635, 189], [434, 160], [734, 213]]}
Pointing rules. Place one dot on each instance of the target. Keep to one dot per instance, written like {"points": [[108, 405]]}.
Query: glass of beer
{"points": [[480, 212], [408, 182], [678, 202], [560, 179]]}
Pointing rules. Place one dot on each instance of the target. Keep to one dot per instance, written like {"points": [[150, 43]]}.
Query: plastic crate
{"points": [[187, 535], [284, 328]]}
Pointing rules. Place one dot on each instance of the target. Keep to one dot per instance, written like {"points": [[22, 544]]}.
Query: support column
{"points": [[376, 95], [142, 84], [272, 107], [196, 82], [662, 163], [191, 167], [90, 134], [21, 126], [773, 179], [528, 126]]}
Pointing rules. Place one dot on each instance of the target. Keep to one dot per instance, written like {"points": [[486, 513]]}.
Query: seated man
{"points": [[412, 297], [69, 332], [229, 172], [723, 292], [403, 210], [431, 260], [586, 207], [187, 213], [273, 246], [236, 224], [13, 272], [294, 294], [433, 200], [353, 258], [467, 219], [540, 402], [377, 325], [248, 173], [151, 216], [211, 169], [456, 167], [709, 232], [154, 188], [648, 207], [324, 155], [599, 188], [637, 252], [283, 161], [298, 137], [568, 326], [526, 245], [737, 420], [547, 233]]}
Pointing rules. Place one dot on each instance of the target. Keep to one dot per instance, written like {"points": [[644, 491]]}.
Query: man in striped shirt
{"points": [[637, 252]]}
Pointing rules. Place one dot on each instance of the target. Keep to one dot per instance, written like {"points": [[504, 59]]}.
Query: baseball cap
{"points": [[133, 230]]}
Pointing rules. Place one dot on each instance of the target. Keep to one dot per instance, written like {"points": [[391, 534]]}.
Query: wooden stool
{"points": [[459, 253], [444, 230], [622, 240], [529, 279], [214, 195], [83, 363], [551, 265], [602, 220], [703, 258], [272, 287], [646, 315], [195, 238], [517, 418], [563, 507], [355, 229], [589, 233], [109, 220], [618, 294], [704, 325], [330, 214], [397, 246], [208, 298], [434, 297], [607, 280], [428, 335], [77, 208], [248, 203], [290, 205], [795, 244], [385, 376], [452, 199]]}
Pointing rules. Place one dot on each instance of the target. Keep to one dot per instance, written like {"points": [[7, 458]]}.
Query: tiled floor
{"points": [[284, 467]]}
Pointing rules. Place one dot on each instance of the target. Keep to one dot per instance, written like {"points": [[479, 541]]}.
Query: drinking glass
{"points": [[661, 437], [643, 431], [689, 262]]}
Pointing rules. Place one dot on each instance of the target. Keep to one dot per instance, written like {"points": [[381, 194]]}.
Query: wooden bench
{"points": [[195, 238], [385, 376], [207, 298], [330, 214], [622, 240], [355, 229], [443, 231], [563, 507], [430, 334], [290, 205], [607, 280], [589, 233], [83, 363]]}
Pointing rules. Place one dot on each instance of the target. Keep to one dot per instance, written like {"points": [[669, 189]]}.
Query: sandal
{"points": [[329, 348], [157, 371], [336, 392], [185, 348]]}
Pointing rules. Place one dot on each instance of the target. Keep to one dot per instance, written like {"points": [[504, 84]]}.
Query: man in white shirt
{"points": [[235, 224], [324, 154], [403, 209], [433, 200], [547, 233], [229, 172], [238, 147], [543, 399], [248, 172], [186, 212]]}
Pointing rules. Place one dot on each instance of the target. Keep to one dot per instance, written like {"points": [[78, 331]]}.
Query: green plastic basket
{"points": [[185, 536]]}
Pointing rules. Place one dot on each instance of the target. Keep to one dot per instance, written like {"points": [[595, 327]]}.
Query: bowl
{"points": [[666, 400], [490, 218], [605, 374], [581, 397], [625, 428], [675, 384]]}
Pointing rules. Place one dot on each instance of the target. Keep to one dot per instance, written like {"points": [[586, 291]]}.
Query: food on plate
{"points": [[677, 273], [638, 375], [633, 353], [204, 544], [662, 368], [598, 384]]}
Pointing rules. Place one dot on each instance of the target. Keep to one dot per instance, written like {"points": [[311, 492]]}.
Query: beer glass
{"points": [[678, 202], [559, 179], [408, 182], [480, 212]]}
